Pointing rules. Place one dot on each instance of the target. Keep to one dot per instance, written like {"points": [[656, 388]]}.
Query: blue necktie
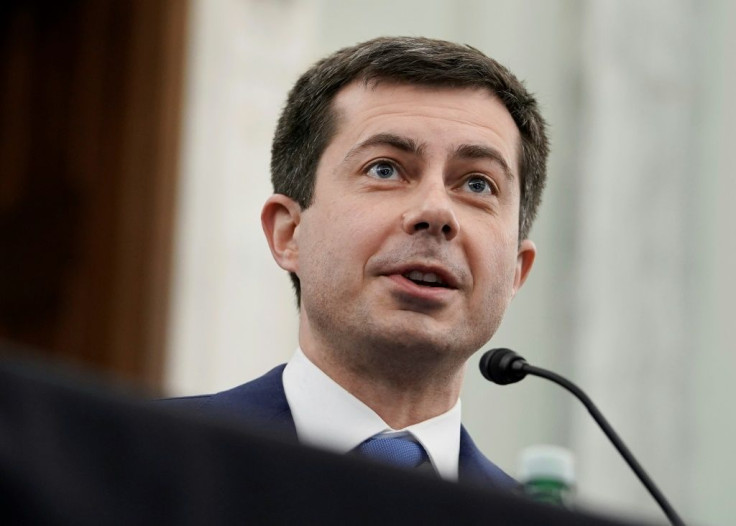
{"points": [[397, 451]]}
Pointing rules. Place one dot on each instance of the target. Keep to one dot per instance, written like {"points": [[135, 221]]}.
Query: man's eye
{"points": [[382, 170], [479, 185]]}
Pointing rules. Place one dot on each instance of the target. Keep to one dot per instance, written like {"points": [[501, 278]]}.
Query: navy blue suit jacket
{"points": [[262, 403]]}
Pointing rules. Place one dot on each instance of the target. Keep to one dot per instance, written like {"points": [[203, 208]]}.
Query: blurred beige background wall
{"points": [[633, 292]]}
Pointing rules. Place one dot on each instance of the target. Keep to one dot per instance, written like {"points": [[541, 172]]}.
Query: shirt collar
{"points": [[328, 416]]}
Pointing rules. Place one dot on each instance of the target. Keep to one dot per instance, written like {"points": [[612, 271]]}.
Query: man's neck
{"points": [[400, 400]]}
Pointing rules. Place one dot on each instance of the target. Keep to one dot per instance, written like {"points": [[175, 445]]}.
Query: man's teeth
{"points": [[429, 277]]}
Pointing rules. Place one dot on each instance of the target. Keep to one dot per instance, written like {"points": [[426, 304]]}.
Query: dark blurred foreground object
{"points": [[76, 453]]}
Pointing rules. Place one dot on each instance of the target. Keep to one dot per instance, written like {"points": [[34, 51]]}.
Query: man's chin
{"points": [[418, 343]]}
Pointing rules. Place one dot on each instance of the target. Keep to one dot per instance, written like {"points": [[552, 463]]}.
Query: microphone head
{"points": [[502, 366]]}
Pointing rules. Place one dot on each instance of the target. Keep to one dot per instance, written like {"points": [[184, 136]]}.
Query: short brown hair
{"points": [[307, 123]]}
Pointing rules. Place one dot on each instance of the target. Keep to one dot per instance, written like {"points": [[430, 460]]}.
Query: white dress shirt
{"points": [[329, 417]]}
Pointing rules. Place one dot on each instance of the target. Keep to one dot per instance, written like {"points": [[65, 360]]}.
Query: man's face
{"points": [[411, 242]]}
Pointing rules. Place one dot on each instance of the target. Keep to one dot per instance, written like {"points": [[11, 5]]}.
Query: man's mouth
{"points": [[426, 279]]}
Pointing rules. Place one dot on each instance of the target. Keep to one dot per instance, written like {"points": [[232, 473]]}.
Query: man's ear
{"points": [[524, 261], [280, 219]]}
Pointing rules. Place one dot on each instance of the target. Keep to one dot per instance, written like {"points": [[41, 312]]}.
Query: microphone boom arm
{"points": [[522, 366]]}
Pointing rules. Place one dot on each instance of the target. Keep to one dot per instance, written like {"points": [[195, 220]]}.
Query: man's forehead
{"points": [[353, 92], [381, 101]]}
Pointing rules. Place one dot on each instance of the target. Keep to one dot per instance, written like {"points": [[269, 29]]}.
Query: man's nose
{"points": [[431, 210]]}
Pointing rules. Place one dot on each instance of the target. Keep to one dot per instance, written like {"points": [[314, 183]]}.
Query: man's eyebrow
{"points": [[405, 144], [477, 151]]}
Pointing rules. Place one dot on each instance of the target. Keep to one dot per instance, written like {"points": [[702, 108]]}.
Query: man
{"points": [[407, 173]]}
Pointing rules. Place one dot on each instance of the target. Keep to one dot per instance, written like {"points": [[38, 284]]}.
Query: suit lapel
{"points": [[262, 402], [476, 469]]}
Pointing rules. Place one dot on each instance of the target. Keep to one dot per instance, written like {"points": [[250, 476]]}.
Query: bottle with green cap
{"points": [[547, 474]]}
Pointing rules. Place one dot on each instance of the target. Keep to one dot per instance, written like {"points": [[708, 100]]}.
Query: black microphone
{"points": [[504, 366]]}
